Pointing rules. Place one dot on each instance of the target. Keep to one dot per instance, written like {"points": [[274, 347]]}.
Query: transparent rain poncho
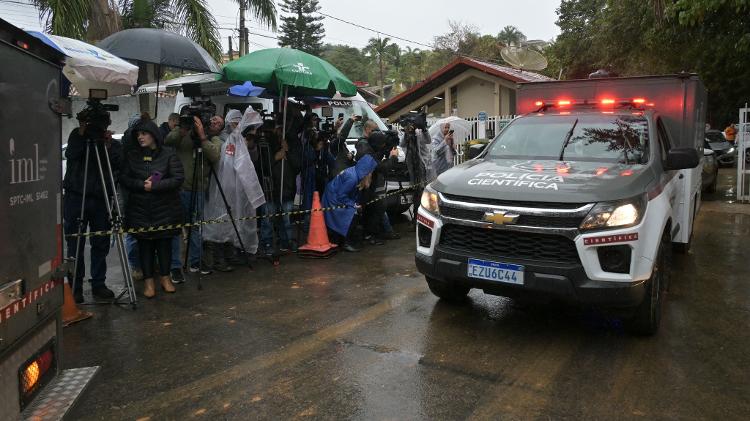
{"points": [[244, 194]]}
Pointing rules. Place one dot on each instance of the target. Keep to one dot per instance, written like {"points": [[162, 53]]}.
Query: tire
{"points": [[448, 292], [645, 321]]}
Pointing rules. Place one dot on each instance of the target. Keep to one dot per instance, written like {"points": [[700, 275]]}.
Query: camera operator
{"points": [[344, 158], [416, 141], [384, 151], [92, 127], [185, 139], [267, 153]]}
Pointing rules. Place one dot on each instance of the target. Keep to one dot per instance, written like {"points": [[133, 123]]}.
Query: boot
{"points": [[166, 284], [148, 288]]}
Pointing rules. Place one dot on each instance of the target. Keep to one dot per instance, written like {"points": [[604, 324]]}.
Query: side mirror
{"points": [[682, 158], [475, 150]]}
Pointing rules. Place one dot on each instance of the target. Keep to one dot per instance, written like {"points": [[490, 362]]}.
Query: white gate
{"points": [[742, 141]]}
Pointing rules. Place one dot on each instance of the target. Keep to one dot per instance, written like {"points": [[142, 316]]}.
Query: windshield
{"points": [[349, 108], [587, 137]]}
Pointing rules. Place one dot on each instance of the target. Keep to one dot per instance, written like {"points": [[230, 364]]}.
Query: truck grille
{"points": [[524, 220], [510, 244], [519, 204]]}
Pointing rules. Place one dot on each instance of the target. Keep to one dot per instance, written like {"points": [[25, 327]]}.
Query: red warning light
{"points": [[539, 103], [639, 101], [23, 45], [608, 101], [626, 173], [563, 169], [601, 171], [563, 102]]}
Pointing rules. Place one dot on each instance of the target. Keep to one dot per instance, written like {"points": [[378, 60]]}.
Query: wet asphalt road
{"points": [[361, 337]]}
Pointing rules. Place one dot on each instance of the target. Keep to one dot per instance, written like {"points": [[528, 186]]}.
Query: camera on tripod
{"points": [[96, 115], [417, 120]]}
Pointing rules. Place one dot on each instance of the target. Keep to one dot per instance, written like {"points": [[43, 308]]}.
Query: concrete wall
{"points": [[128, 106], [476, 95]]}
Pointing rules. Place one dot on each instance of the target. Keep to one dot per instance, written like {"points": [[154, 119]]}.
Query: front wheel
{"points": [[446, 291], [647, 315]]}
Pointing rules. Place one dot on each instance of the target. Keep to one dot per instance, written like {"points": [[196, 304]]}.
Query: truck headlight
{"points": [[430, 201], [620, 214]]}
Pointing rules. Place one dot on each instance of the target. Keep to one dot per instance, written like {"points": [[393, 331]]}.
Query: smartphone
{"points": [[155, 177]]}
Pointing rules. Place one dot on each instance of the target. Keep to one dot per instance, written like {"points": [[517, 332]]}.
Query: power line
{"points": [[374, 30]]}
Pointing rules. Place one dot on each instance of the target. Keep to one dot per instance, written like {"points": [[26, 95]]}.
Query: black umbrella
{"points": [[161, 48]]}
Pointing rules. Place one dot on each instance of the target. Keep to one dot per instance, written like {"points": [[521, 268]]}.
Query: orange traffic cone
{"points": [[71, 313], [318, 245]]}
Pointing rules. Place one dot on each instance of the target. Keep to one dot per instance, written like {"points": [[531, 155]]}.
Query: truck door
{"points": [[674, 182]]}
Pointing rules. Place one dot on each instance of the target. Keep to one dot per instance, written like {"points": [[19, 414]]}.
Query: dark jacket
{"points": [[292, 167], [75, 154], [161, 205]]}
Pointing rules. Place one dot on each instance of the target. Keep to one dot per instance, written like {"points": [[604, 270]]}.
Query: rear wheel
{"points": [[647, 315], [446, 291]]}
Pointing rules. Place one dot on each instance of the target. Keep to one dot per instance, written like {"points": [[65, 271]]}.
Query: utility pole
{"points": [[231, 52], [243, 31]]}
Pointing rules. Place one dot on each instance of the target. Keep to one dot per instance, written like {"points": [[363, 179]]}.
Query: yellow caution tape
{"points": [[227, 220]]}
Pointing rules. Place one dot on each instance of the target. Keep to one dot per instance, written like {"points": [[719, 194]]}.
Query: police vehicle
{"points": [[583, 197]]}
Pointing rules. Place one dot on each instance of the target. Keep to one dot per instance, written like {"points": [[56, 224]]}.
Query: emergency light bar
{"points": [[605, 102]]}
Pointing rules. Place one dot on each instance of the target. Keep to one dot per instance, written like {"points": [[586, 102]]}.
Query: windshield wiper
{"points": [[567, 140]]}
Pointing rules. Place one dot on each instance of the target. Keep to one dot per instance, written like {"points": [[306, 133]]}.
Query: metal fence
{"points": [[479, 130], [742, 142]]}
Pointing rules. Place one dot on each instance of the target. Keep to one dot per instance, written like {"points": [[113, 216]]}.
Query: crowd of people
{"points": [[235, 167]]}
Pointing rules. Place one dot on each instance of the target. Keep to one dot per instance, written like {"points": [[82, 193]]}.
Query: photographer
{"points": [[416, 141], [92, 127], [267, 153], [383, 150], [186, 139]]}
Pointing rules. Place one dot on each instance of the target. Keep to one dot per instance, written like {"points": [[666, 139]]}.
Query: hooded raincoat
{"points": [[233, 116], [441, 154], [342, 191], [243, 192]]}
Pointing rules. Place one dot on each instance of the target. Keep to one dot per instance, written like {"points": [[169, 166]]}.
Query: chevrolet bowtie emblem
{"points": [[500, 218]]}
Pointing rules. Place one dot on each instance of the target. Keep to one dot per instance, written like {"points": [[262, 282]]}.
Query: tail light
{"points": [[36, 373]]}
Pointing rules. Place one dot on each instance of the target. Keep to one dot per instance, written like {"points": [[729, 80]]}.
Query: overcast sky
{"points": [[417, 21]]}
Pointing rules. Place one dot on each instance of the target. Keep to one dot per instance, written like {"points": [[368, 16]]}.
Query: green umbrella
{"points": [[278, 69], [288, 71]]}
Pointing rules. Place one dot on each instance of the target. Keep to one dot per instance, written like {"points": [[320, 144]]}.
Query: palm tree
{"points": [[93, 20], [380, 50], [510, 35]]}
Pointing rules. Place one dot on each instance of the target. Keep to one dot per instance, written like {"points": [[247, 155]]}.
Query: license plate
{"points": [[494, 271], [406, 200]]}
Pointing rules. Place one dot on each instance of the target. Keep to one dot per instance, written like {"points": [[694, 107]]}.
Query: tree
{"points": [[93, 20], [350, 60], [460, 39], [379, 50], [510, 35], [301, 29]]}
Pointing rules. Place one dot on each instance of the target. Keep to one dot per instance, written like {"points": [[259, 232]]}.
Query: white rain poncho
{"points": [[233, 116], [244, 194], [442, 154]]}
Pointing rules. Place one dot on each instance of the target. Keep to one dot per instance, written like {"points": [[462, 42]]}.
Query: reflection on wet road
{"points": [[360, 336]]}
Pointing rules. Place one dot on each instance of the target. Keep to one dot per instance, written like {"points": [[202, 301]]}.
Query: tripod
{"points": [[115, 218], [198, 164], [264, 150]]}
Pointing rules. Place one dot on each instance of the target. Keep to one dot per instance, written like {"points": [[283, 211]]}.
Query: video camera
{"points": [[417, 120], [96, 115], [204, 109]]}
